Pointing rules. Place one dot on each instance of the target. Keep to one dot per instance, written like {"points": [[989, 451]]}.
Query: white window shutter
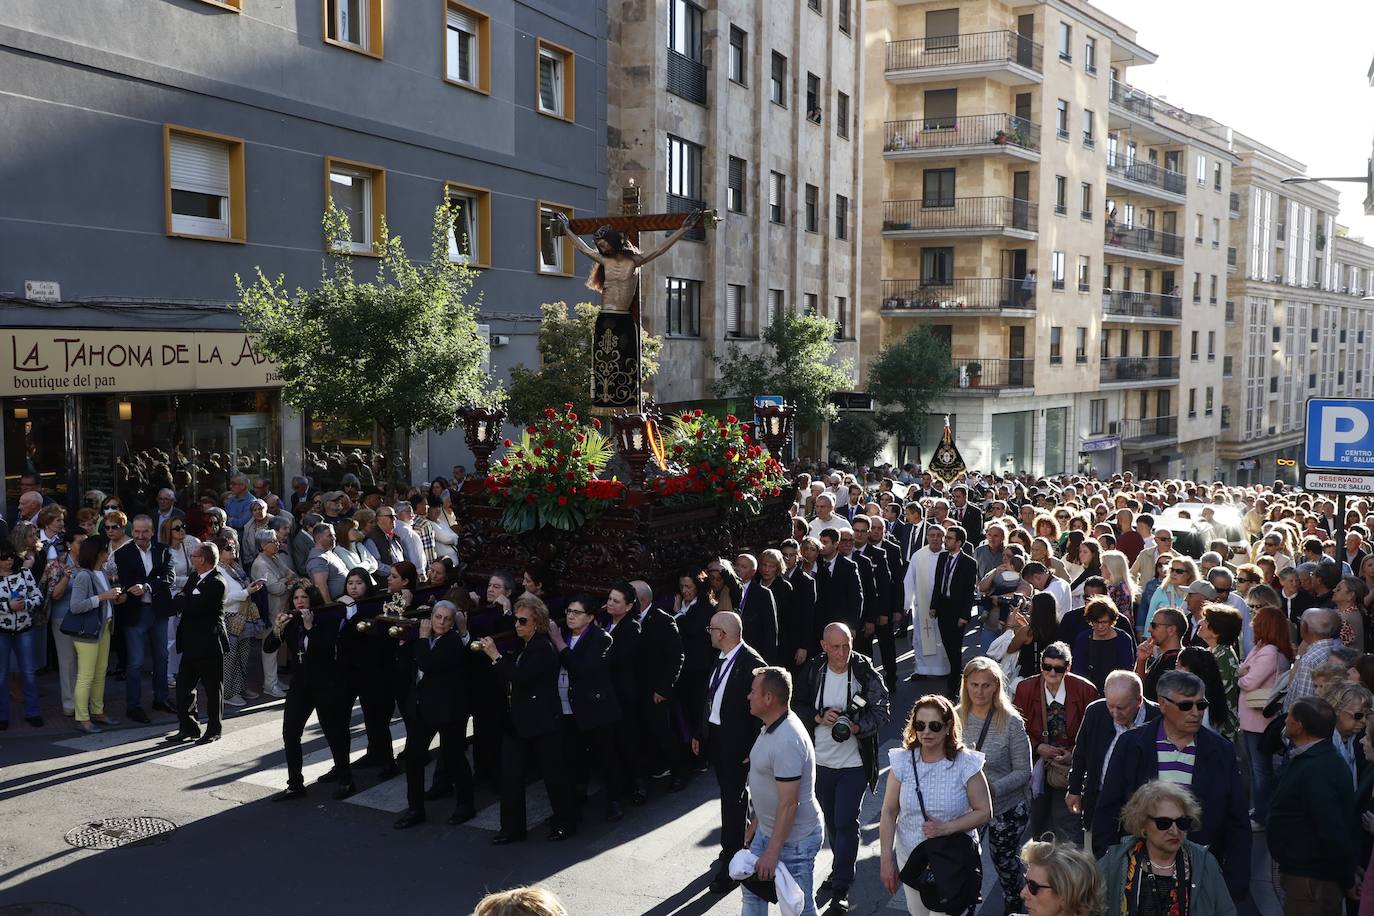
{"points": [[457, 19], [200, 165], [732, 307]]}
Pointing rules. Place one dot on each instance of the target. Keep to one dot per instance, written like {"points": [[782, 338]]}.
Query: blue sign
{"points": [[1340, 435]]}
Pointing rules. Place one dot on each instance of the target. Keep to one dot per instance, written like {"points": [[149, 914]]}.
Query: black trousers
{"points": [[453, 760], [887, 646], [207, 671], [732, 775], [660, 742], [490, 714], [952, 635], [301, 701], [516, 754], [586, 749], [372, 688]]}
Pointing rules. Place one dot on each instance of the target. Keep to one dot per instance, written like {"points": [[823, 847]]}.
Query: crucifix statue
{"points": [[617, 377]]}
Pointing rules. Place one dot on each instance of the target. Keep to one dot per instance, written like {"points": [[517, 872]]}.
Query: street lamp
{"points": [[631, 431], [482, 432], [775, 422]]}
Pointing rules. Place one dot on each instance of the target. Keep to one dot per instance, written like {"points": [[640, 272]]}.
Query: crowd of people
{"points": [[1141, 675]]}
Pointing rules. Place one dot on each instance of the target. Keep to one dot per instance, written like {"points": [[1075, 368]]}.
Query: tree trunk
{"points": [[395, 448]]}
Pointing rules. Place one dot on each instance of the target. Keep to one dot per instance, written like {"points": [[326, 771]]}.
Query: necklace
{"points": [[1166, 869]]}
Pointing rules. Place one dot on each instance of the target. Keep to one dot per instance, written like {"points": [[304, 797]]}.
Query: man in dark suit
{"points": [[596, 711], [840, 591], [913, 536], [757, 609], [798, 627], [967, 516], [145, 572], [1121, 708], [872, 580], [438, 706], [727, 733], [884, 551], [202, 641], [1215, 779], [658, 664], [956, 575]]}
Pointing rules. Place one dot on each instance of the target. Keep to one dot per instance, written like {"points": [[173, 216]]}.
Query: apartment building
{"points": [[152, 151], [1006, 140], [751, 109], [1300, 317]]}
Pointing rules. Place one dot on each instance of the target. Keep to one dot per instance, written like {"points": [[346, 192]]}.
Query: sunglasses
{"points": [[1357, 716], [1187, 705], [1035, 887], [1176, 571], [1184, 824], [1163, 537], [1057, 669], [177, 528], [521, 621], [935, 727]]}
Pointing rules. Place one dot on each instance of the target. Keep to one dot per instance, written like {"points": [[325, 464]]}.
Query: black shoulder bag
{"points": [[947, 871]]}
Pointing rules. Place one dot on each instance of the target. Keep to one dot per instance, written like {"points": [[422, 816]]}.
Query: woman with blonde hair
{"points": [[1182, 572], [1116, 570], [520, 901], [1156, 869], [1000, 735], [1061, 880], [954, 796]]}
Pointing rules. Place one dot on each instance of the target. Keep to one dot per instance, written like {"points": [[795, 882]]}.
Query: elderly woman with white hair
{"points": [[1156, 869], [272, 568]]}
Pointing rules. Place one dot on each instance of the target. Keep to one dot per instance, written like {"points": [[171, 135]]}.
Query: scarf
{"points": [[1137, 876]]}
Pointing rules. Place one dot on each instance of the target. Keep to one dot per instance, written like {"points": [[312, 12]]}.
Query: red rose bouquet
{"points": [[717, 460]]}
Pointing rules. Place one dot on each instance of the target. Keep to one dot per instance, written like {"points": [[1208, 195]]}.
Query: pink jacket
{"points": [[1260, 668]]}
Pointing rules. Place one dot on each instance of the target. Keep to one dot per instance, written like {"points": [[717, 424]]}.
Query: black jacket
{"points": [[796, 625], [201, 633], [658, 661], [438, 697], [840, 593], [1090, 751], [737, 730], [759, 612], [868, 576], [365, 651], [532, 672], [697, 654], [129, 566], [591, 691], [1312, 816], [957, 604], [972, 522], [1217, 783], [870, 719], [314, 667], [625, 661]]}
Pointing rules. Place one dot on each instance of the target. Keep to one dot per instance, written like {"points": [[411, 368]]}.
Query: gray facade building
{"points": [[154, 148]]}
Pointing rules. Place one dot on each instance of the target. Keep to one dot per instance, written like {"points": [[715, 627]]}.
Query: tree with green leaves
{"points": [[564, 375], [401, 350], [904, 378], [856, 438], [798, 362]]}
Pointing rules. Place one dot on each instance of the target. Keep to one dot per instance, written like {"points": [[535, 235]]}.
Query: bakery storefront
{"points": [[128, 412]]}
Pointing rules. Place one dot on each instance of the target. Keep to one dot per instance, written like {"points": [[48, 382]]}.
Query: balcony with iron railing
{"points": [[686, 77], [1143, 242], [976, 375], [1127, 303], [959, 216], [941, 56], [1144, 429], [1131, 369], [1135, 175], [972, 295], [931, 137], [676, 203]]}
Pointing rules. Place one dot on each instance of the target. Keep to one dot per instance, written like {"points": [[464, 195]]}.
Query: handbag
{"points": [[947, 871], [1056, 774], [1277, 693], [1259, 697]]}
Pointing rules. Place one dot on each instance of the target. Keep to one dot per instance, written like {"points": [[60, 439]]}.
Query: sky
{"points": [[1296, 83]]}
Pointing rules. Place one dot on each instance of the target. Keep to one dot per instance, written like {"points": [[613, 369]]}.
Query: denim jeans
{"points": [[136, 638], [25, 648], [799, 856], [1261, 776], [840, 793]]}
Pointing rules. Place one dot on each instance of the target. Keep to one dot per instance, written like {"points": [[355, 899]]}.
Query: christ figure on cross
{"points": [[616, 272]]}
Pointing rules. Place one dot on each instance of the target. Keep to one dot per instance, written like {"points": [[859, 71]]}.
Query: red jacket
{"points": [[1078, 693]]}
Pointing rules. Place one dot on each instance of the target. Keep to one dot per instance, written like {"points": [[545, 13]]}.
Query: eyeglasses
{"points": [[388, 515], [715, 629], [1035, 887], [521, 621], [1187, 705], [1185, 823], [920, 725], [1057, 669], [1357, 715]]}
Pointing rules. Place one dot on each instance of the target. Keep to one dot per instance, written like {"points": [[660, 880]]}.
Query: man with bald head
{"points": [[658, 663], [726, 734], [1320, 629]]}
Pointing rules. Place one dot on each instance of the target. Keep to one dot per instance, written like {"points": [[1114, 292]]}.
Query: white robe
{"points": [[927, 648]]}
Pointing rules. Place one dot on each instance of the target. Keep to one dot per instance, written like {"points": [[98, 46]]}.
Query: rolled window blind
{"points": [[199, 165]]}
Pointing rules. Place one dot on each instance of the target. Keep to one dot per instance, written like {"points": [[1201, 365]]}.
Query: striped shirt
{"points": [[1174, 765]]}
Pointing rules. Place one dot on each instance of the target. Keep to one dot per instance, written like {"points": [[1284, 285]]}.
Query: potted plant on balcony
{"points": [[1001, 138], [975, 373]]}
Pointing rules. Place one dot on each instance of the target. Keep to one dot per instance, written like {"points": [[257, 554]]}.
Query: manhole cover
{"points": [[113, 832], [39, 909]]}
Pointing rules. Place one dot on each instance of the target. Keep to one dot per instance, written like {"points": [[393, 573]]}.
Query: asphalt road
{"points": [[232, 851]]}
